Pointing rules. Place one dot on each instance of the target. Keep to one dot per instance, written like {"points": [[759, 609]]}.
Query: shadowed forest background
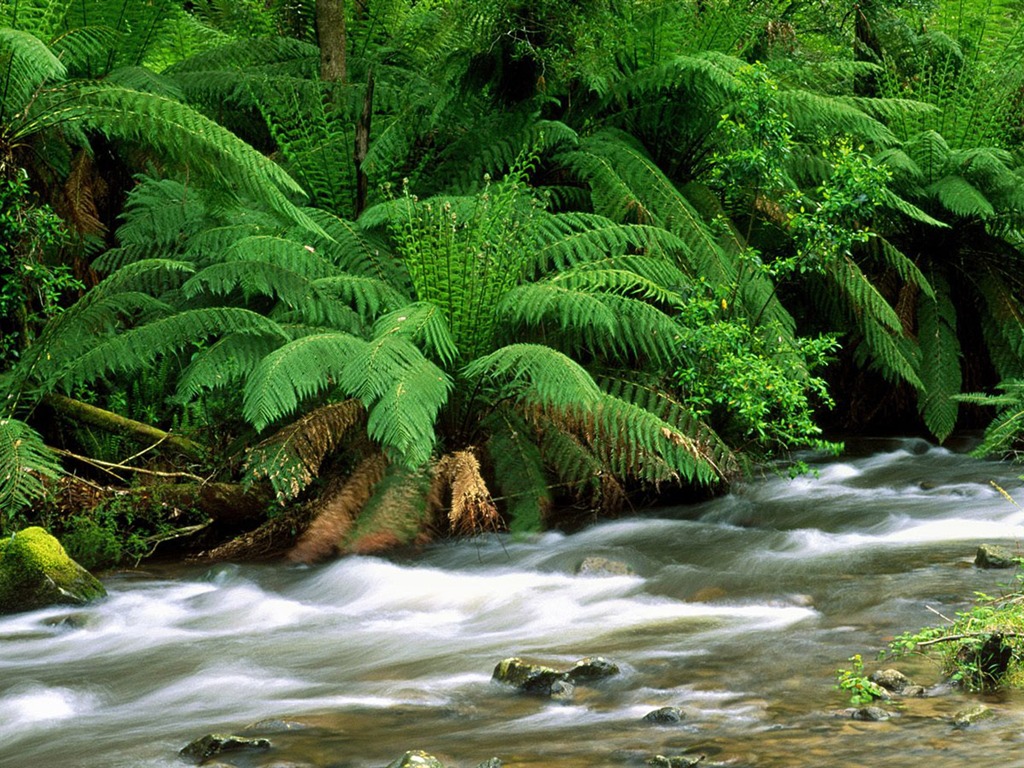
{"points": [[320, 277]]}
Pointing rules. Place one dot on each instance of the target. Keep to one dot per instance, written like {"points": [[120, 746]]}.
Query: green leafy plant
{"points": [[856, 684]]}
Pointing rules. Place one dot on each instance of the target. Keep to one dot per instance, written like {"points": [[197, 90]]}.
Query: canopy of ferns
{"points": [[550, 252]]}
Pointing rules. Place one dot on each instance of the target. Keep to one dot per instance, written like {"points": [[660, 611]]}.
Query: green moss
{"points": [[35, 572]]}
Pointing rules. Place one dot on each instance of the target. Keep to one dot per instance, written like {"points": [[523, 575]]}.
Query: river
{"points": [[738, 610]]}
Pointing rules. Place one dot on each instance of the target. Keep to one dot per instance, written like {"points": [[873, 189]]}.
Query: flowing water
{"points": [[738, 610]]}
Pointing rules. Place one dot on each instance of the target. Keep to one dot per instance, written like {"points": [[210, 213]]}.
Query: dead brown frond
{"points": [[291, 457], [398, 513], [269, 540], [906, 308], [81, 190], [335, 511], [472, 510]]}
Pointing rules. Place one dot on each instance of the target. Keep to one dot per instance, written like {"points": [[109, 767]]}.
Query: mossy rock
{"points": [[36, 572]]}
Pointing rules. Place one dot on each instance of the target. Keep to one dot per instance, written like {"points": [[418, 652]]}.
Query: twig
{"points": [[108, 466], [966, 636]]}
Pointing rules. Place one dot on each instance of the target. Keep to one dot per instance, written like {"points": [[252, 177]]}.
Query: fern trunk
{"points": [[330, 34]]}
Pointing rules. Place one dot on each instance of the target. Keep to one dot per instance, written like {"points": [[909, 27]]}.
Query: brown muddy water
{"points": [[738, 611]]}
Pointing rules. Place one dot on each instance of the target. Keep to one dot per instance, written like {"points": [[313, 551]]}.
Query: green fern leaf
{"points": [[425, 325], [294, 372], [961, 197], [940, 361], [518, 471], [26, 63], [138, 347], [545, 373], [25, 462], [403, 392]]}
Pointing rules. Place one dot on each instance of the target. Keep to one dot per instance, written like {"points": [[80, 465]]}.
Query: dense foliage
{"points": [[451, 265]]}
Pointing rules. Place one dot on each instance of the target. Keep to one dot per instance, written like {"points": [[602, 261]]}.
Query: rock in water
{"points": [[532, 678], [589, 669], [416, 759], [665, 716], [991, 556], [214, 744], [36, 572]]}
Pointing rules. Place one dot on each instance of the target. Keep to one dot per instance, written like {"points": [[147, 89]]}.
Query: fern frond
{"points": [[961, 197], [397, 513], [369, 295], [547, 374], [655, 399], [940, 360], [184, 137], [569, 239], [294, 372], [225, 363], [607, 323], [337, 510], [26, 64], [290, 458], [930, 152], [25, 462], [138, 347], [471, 509], [581, 471], [518, 471], [403, 391], [903, 266], [425, 325]]}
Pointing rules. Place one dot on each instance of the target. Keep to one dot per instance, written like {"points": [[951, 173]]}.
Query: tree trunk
{"points": [[330, 33], [363, 145], [112, 422]]}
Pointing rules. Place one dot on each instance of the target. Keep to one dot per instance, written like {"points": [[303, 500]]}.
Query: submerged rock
{"points": [[992, 556], [968, 717], [36, 572], [215, 744], [416, 759], [677, 761], [602, 566], [872, 714]]}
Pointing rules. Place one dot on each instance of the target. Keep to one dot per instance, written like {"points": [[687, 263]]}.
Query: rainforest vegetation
{"points": [[318, 276]]}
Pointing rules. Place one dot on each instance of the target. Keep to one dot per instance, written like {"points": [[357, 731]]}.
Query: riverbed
{"points": [[738, 611]]}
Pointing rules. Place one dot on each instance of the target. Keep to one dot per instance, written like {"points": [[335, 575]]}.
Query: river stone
{"points": [[872, 714], [992, 556], [36, 572], [493, 762], [214, 744], [968, 717], [602, 566], [416, 759], [532, 678], [589, 669], [665, 716], [892, 680]]}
